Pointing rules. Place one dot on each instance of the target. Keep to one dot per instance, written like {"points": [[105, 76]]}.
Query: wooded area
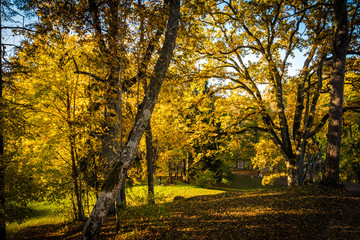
{"points": [[100, 96]]}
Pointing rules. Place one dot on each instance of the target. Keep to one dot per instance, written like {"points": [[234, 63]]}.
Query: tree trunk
{"points": [[73, 206], [300, 160], [292, 174], [150, 167], [75, 176], [120, 203], [183, 174], [121, 198], [188, 165], [72, 143], [331, 176], [176, 172], [2, 160], [170, 173], [116, 178], [123, 195], [300, 170], [2, 191]]}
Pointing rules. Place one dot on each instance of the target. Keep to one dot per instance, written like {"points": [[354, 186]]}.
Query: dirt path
{"points": [[352, 187]]}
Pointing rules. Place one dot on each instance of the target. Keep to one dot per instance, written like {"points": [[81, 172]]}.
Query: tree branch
{"points": [[325, 118]]}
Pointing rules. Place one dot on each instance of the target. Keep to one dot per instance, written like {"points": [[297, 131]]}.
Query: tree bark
{"points": [[150, 167], [117, 175], [292, 174], [2, 160], [2, 186], [331, 176], [189, 161], [75, 175]]}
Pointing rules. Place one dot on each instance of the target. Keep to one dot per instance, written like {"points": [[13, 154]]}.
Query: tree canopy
{"points": [[99, 95]]}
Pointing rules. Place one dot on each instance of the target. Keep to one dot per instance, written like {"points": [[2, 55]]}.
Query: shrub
{"points": [[270, 179], [205, 179]]}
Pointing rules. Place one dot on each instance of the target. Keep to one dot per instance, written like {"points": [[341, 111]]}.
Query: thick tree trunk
{"points": [[292, 174], [108, 153], [150, 167], [117, 175], [300, 170], [331, 176], [300, 157]]}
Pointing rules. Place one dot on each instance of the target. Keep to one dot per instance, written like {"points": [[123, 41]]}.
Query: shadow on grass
{"points": [[299, 213], [69, 230], [251, 212], [246, 183]]}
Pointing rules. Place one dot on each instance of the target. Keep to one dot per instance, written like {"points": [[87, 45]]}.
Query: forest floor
{"points": [[243, 210]]}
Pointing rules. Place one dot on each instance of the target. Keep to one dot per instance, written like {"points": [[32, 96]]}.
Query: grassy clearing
{"points": [[243, 210], [137, 195], [246, 183], [45, 213], [41, 213]]}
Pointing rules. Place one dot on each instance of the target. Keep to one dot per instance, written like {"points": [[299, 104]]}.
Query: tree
{"points": [[267, 155], [349, 165], [2, 165], [150, 156], [7, 12], [250, 44], [117, 175], [340, 45], [48, 83]]}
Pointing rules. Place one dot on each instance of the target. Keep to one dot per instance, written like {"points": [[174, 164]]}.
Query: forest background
{"points": [[76, 83]]}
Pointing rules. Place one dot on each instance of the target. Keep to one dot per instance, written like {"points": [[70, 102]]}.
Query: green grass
{"points": [[137, 195], [44, 213], [41, 213], [246, 184]]}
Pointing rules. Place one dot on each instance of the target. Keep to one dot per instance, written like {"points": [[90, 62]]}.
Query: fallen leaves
{"points": [[291, 213]]}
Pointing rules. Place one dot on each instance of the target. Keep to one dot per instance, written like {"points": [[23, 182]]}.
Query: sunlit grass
{"points": [[44, 213], [251, 213], [41, 213], [137, 195]]}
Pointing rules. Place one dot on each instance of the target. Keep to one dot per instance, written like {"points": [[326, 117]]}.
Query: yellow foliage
{"points": [[267, 154], [270, 179]]}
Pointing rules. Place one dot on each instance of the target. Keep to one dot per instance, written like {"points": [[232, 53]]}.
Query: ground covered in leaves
{"points": [[309, 212]]}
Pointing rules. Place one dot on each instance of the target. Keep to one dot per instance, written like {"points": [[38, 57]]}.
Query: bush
{"points": [[270, 179], [205, 179], [228, 176]]}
